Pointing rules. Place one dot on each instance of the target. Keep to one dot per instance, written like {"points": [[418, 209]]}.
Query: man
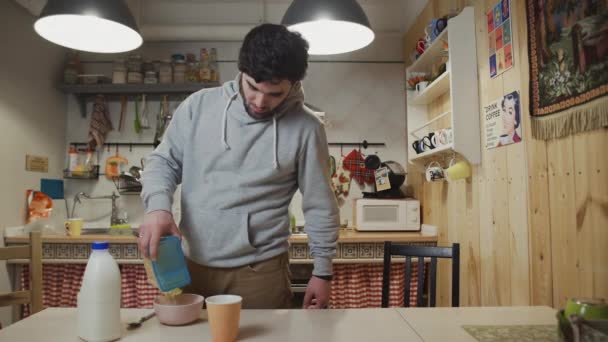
{"points": [[240, 152]]}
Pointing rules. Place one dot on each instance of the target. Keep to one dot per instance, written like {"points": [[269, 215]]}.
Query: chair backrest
{"points": [[33, 252], [421, 252]]}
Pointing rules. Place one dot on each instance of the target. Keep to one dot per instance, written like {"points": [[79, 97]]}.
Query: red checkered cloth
{"points": [[353, 286], [61, 283], [360, 286], [355, 163]]}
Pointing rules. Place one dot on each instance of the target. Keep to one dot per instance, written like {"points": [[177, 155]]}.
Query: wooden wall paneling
{"points": [[517, 170], [494, 206], [539, 219], [563, 219], [538, 214], [438, 200], [590, 165]]}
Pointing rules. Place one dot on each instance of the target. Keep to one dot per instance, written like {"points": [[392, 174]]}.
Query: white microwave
{"points": [[375, 214]]}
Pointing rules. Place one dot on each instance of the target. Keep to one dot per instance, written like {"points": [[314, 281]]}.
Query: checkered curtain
{"points": [[353, 286], [61, 283], [360, 286]]}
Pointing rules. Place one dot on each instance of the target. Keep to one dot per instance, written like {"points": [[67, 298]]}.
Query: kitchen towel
{"points": [[100, 123], [355, 163]]}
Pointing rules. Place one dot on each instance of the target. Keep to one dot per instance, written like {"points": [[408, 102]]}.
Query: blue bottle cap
{"points": [[99, 245]]}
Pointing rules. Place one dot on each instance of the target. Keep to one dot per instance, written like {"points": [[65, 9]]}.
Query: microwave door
{"points": [[383, 216]]}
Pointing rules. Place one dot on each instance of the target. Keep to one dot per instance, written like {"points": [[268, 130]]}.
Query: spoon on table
{"points": [[135, 325]]}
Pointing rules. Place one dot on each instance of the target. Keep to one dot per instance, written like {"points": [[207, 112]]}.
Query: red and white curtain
{"points": [[353, 286]]}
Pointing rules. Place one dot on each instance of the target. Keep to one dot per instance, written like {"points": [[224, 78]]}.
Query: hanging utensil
{"points": [[123, 109], [137, 123], [145, 122]]}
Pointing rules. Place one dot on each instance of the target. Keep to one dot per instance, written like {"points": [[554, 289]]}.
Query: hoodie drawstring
{"points": [[274, 143], [225, 120]]}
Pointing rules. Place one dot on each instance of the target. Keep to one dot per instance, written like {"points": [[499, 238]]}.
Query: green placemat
{"points": [[519, 333]]}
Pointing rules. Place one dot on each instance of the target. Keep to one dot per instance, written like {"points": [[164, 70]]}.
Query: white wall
{"points": [[362, 101], [32, 116]]}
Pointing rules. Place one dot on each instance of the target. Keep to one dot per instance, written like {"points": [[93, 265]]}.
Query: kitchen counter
{"points": [[346, 235], [353, 246]]}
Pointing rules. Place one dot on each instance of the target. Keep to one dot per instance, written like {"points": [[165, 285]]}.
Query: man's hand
{"points": [[317, 294], [156, 224]]}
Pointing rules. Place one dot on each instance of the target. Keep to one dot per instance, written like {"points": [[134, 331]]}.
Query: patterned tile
{"points": [[298, 251], [115, 251], [366, 251], [81, 251], [63, 251], [48, 251], [129, 251], [349, 251], [379, 250]]}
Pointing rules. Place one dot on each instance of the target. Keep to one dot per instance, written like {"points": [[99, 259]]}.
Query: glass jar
{"points": [[165, 73], [119, 72], [150, 77], [134, 63], [192, 72], [179, 71], [70, 73]]}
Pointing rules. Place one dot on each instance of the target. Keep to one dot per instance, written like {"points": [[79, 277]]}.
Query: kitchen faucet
{"points": [[114, 220]]}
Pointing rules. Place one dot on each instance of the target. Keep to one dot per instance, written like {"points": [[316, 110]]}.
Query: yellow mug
{"points": [[458, 170], [73, 226]]}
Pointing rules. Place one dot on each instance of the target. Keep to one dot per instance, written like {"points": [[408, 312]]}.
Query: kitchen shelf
{"points": [[428, 123], [125, 89], [92, 174], [438, 87], [430, 55], [83, 91], [461, 82], [439, 151]]}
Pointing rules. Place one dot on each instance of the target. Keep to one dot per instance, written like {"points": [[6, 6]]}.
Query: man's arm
{"points": [[163, 172], [321, 214]]}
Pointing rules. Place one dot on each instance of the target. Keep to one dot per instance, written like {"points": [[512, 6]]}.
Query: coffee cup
{"points": [[426, 144], [420, 86], [434, 172], [417, 145], [458, 170], [505, 140], [223, 313], [442, 137], [73, 226]]}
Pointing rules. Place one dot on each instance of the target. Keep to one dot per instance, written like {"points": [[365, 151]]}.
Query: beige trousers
{"points": [[263, 285]]}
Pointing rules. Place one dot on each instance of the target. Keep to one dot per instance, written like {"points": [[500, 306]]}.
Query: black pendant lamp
{"points": [[105, 26], [329, 26]]}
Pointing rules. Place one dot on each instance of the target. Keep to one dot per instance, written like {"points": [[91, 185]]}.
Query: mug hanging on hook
{"points": [[458, 170]]}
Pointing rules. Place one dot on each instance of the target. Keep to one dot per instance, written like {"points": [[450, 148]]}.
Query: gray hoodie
{"points": [[238, 176]]}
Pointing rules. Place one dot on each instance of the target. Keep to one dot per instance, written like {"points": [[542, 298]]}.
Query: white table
{"points": [[59, 324], [445, 324], [376, 325]]}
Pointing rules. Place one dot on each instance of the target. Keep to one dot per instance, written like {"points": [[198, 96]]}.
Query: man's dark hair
{"points": [[272, 52]]}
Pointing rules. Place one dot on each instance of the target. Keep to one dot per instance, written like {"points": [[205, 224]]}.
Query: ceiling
{"points": [[230, 19]]}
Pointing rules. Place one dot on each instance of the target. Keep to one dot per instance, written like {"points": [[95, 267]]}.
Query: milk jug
{"points": [[98, 302]]}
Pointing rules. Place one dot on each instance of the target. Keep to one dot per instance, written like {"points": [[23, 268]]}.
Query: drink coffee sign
{"points": [[503, 121]]}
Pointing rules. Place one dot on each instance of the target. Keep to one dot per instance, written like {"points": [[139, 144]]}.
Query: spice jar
{"points": [[150, 77], [119, 72], [165, 73], [179, 71], [134, 67]]}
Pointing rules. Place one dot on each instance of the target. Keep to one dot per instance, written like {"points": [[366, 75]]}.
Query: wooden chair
{"points": [[33, 252], [421, 252]]}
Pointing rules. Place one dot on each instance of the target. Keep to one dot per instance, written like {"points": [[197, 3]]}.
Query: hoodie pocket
{"points": [[220, 235]]}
